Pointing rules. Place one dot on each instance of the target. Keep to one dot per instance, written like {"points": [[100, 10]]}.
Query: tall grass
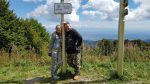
{"points": [[131, 53], [17, 56], [137, 55]]}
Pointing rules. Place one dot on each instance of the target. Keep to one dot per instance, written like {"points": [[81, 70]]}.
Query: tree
{"points": [[21, 32], [7, 22]]}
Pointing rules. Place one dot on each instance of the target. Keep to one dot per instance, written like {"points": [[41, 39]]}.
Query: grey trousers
{"points": [[56, 62]]}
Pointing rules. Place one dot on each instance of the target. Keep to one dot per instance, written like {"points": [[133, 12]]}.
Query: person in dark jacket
{"points": [[73, 48]]}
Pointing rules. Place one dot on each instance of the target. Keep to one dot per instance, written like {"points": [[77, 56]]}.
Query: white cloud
{"points": [[47, 10], [109, 10], [72, 17], [91, 13], [102, 5], [142, 12], [95, 14], [104, 9], [41, 10]]}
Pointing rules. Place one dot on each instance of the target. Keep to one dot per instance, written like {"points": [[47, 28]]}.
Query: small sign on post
{"points": [[62, 8]]}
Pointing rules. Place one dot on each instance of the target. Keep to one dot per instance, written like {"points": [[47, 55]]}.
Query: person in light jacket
{"points": [[55, 52]]}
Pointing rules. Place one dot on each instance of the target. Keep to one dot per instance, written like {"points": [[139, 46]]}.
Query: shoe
{"points": [[76, 77], [55, 77]]}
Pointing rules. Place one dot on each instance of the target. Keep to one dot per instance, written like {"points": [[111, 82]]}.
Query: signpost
{"points": [[63, 8], [122, 13]]}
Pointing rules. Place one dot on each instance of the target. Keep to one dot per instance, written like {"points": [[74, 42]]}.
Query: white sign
{"points": [[62, 8]]}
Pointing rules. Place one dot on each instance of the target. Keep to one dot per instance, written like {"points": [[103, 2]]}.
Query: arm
{"points": [[52, 42], [78, 38]]}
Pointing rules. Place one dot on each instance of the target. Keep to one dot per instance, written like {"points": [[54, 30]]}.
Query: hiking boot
{"points": [[55, 77], [76, 77]]}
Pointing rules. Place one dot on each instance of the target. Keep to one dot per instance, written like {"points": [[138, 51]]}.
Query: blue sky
{"points": [[101, 14]]}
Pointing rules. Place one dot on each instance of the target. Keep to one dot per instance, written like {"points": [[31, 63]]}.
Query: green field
{"points": [[94, 70]]}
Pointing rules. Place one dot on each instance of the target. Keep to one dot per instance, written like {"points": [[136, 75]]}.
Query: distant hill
{"points": [[147, 40], [90, 43], [93, 43]]}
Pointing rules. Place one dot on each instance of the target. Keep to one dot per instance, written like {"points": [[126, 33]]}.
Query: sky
{"points": [[92, 17]]}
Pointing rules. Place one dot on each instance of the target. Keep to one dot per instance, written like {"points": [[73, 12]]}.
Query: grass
{"points": [[12, 73], [98, 69], [94, 69]]}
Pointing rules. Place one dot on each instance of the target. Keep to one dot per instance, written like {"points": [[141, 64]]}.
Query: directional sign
{"points": [[62, 8]]}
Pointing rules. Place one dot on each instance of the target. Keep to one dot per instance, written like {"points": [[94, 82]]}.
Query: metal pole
{"points": [[63, 70], [121, 40]]}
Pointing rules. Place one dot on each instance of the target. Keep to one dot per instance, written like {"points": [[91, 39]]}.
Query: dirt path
{"points": [[81, 80], [34, 80]]}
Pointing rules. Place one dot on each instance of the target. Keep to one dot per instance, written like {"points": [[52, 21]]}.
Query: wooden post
{"points": [[64, 64], [122, 13]]}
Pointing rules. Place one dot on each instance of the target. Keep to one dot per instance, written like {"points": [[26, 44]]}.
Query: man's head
{"points": [[58, 29], [67, 26]]}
